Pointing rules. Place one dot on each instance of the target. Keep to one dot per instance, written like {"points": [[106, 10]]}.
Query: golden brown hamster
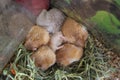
{"points": [[56, 41], [36, 37], [68, 54], [74, 32], [51, 20], [44, 57]]}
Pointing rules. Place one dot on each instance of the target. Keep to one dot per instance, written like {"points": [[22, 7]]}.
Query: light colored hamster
{"points": [[68, 54], [56, 41], [36, 37], [44, 57], [51, 20], [74, 32]]}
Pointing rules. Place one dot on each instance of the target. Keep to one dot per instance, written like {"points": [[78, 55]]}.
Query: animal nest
{"points": [[93, 66]]}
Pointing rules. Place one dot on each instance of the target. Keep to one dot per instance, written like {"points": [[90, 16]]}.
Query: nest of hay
{"points": [[93, 66]]}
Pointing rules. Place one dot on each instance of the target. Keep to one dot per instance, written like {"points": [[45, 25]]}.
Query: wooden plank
{"points": [[13, 29]]}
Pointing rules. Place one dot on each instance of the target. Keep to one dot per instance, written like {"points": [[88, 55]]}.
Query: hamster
{"points": [[44, 57], [51, 20], [74, 32], [36, 37], [56, 40], [68, 54]]}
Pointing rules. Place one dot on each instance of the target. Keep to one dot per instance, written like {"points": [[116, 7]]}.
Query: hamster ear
{"points": [[84, 33], [42, 14]]}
